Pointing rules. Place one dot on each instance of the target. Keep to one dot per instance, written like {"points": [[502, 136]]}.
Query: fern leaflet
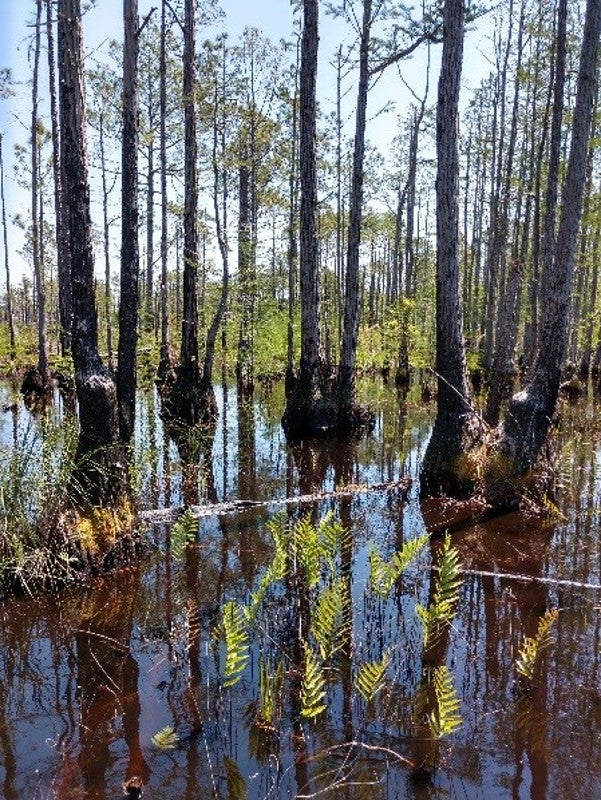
{"points": [[384, 574], [532, 646], [445, 718], [234, 622], [184, 531], [331, 621], [165, 739], [445, 597], [371, 676], [313, 686]]}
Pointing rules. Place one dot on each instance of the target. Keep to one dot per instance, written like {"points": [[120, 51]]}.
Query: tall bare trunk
{"points": [[9, 302]]}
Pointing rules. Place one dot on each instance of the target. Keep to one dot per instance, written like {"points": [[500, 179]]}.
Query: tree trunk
{"points": [[106, 244], [443, 470], [350, 415], [9, 305], [306, 412], [525, 429], [99, 474], [128, 304], [165, 365], [62, 232]]}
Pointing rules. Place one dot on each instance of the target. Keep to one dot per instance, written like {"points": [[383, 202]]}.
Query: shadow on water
{"points": [[91, 675]]}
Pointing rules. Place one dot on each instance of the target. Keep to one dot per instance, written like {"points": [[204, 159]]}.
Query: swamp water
{"points": [[124, 678]]}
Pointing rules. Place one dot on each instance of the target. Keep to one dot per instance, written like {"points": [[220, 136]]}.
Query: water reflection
{"points": [[90, 675]]}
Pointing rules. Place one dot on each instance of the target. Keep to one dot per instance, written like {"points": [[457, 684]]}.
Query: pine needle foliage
{"points": [[445, 718], [384, 574], [235, 631], [445, 597], [530, 652], [331, 619], [183, 532], [165, 739], [313, 686], [371, 677]]}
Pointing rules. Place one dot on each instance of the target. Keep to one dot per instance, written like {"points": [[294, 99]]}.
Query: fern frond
{"points": [[236, 784], [384, 574], [234, 625], [330, 618], [307, 550], [276, 570], [371, 676], [532, 646], [445, 718], [313, 686], [184, 531], [165, 739], [445, 597], [270, 691], [331, 536]]}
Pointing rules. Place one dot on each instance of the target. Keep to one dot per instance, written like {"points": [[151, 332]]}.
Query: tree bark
{"points": [[9, 302], [454, 429], [128, 304], [527, 422], [98, 478]]}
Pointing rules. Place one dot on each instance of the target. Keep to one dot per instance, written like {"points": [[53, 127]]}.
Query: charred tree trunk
{"points": [[350, 415], [128, 304], [99, 474], [62, 232], [165, 369], [454, 428], [307, 411], [524, 432]]}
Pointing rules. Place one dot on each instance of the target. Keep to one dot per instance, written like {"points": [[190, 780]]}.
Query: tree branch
{"points": [[145, 21], [429, 36]]}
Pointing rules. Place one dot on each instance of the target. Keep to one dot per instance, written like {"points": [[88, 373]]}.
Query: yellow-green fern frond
{"points": [[532, 646], [313, 690], [166, 738], [235, 632], [330, 618], [445, 717], [384, 574], [445, 597], [184, 531], [371, 677], [270, 692]]}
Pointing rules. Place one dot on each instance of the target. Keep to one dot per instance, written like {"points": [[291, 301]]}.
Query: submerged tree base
{"points": [[323, 415]]}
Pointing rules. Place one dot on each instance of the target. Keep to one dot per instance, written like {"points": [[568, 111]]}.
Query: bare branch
{"points": [[429, 36]]}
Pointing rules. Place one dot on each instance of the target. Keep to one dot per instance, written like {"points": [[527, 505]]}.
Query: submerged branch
{"points": [[156, 516]]}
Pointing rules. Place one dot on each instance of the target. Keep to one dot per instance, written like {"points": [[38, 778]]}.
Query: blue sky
{"points": [[274, 17]]}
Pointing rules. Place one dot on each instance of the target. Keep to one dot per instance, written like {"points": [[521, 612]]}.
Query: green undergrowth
{"points": [[313, 637]]}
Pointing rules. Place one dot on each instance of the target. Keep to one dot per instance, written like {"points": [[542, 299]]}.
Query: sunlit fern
{"points": [[313, 686], [532, 646], [316, 546], [445, 597], [270, 692], [371, 677], [384, 574], [165, 739], [184, 531], [445, 718], [330, 618], [277, 568], [235, 633]]}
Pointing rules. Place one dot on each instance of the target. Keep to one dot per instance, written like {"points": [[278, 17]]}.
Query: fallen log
{"points": [[170, 515]]}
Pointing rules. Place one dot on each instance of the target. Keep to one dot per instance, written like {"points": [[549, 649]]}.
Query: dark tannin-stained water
{"points": [[125, 677]]}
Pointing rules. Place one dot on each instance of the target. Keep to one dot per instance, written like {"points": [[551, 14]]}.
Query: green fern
{"points": [[532, 646], [332, 536], [371, 677], [236, 784], [234, 625], [165, 739], [330, 618], [384, 574], [184, 531], [270, 691], [445, 597], [444, 719], [307, 550], [313, 686]]}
